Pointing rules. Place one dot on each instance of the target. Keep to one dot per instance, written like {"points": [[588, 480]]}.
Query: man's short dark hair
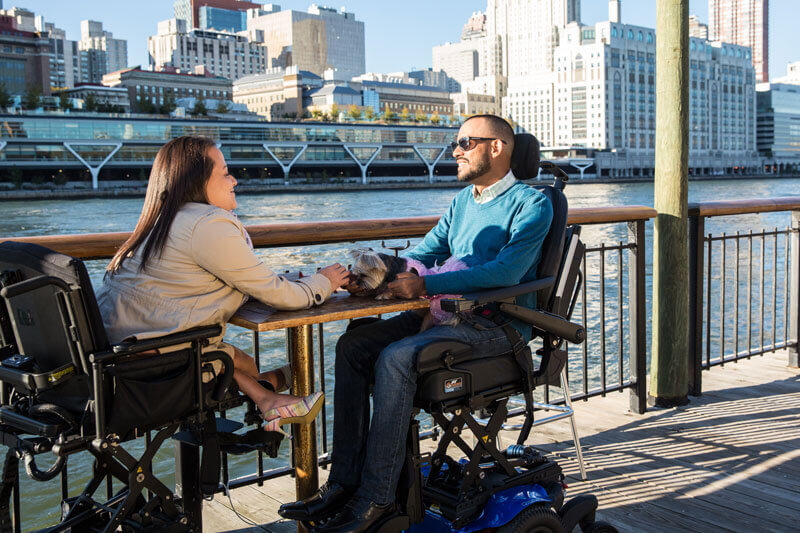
{"points": [[499, 126]]}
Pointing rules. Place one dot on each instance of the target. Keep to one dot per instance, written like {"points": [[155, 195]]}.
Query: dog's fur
{"points": [[373, 271]]}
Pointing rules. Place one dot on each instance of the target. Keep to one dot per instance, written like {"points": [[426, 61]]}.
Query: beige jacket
{"points": [[204, 274]]}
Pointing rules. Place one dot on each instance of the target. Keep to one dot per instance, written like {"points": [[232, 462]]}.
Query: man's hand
{"points": [[408, 286]]}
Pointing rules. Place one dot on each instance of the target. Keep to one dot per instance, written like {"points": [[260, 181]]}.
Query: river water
{"points": [[29, 218]]}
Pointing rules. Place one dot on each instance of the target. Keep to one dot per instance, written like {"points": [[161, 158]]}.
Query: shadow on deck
{"points": [[728, 461]]}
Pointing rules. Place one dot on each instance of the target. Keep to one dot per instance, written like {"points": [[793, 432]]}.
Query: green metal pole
{"points": [[669, 368]]}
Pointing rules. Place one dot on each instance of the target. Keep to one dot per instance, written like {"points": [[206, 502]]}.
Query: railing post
{"points": [[637, 307], [697, 225], [794, 324]]}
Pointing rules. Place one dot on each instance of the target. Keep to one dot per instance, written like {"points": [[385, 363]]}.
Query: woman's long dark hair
{"points": [[180, 172]]}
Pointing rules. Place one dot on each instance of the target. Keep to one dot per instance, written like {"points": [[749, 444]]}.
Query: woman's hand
{"points": [[336, 274]]}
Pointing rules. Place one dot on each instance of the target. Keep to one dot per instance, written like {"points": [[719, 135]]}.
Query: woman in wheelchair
{"points": [[189, 262]]}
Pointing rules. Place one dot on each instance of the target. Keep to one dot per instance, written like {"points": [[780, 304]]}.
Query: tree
{"points": [[405, 115], [223, 107], [169, 104], [369, 114], [354, 112], [63, 102], [32, 98], [335, 113], [90, 103], [316, 114], [421, 117], [144, 105], [388, 114], [5, 96], [199, 107], [435, 119]]}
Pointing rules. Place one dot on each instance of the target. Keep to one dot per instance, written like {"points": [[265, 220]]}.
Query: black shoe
{"points": [[330, 498], [359, 516]]}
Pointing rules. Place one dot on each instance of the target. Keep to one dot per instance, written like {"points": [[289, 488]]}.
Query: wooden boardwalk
{"points": [[728, 461]]}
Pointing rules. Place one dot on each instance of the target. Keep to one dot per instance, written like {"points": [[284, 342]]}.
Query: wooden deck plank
{"points": [[728, 461]]}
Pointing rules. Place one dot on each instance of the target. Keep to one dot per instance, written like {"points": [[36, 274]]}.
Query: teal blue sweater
{"points": [[500, 242]]}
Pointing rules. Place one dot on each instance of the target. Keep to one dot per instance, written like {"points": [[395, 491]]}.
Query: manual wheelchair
{"points": [[64, 389]]}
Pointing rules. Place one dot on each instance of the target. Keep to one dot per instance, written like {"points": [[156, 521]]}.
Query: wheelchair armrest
{"points": [[546, 322], [470, 301], [226, 378], [130, 348]]}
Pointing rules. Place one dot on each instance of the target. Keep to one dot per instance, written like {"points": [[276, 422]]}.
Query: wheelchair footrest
{"points": [[28, 425], [224, 425], [254, 440]]}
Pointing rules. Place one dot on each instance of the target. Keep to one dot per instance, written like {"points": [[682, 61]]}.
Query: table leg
{"points": [[304, 442]]}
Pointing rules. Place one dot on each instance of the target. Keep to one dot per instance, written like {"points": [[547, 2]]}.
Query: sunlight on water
{"points": [[28, 218]]}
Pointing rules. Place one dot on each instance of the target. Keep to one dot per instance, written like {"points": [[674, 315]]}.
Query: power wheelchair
{"points": [[64, 389], [517, 489]]}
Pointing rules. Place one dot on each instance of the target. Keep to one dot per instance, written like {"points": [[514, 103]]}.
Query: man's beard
{"points": [[481, 168]]}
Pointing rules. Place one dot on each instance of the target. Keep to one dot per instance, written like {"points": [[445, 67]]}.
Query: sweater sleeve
{"points": [[218, 245], [435, 246], [527, 232]]}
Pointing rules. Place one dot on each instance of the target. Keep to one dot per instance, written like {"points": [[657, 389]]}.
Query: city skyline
{"points": [[442, 24]]}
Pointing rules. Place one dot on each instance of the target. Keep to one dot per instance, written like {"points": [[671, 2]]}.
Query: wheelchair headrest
{"points": [[525, 158]]}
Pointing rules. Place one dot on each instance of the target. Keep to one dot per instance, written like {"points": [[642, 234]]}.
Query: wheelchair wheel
{"points": [[534, 519]]}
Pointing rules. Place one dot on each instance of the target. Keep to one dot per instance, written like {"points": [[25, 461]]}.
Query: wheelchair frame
{"points": [[32, 422]]}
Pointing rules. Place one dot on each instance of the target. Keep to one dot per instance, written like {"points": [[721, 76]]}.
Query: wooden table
{"points": [[258, 317]]}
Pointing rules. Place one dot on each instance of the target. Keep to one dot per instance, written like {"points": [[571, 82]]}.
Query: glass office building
{"points": [[213, 18], [47, 142]]}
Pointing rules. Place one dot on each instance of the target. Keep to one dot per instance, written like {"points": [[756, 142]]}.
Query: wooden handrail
{"points": [[748, 205], [103, 245]]}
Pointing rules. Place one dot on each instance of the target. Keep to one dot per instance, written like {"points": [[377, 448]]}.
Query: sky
{"points": [[399, 35]]}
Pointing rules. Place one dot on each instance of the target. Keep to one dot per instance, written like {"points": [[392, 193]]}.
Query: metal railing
{"points": [[743, 287], [613, 303]]}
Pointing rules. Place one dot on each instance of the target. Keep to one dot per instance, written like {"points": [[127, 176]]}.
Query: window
{"points": [[630, 34], [640, 36], [614, 32]]}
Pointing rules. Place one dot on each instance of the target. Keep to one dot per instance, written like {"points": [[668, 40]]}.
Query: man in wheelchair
{"points": [[497, 228]]}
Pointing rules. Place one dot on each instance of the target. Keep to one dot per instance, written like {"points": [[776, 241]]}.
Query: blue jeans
{"points": [[371, 456]]}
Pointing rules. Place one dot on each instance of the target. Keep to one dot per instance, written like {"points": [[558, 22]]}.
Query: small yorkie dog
{"points": [[372, 272]]}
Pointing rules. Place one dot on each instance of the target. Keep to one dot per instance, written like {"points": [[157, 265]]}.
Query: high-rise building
{"points": [[24, 58], [465, 60], [101, 52], [697, 28], [601, 95], [746, 23], [219, 12], [65, 58], [229, 55], [778, 116], [317, 40], [64, 55], [522, 34]]}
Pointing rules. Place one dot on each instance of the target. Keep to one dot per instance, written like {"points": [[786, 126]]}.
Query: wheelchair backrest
{"points": [[50, 324], [525, 163]]}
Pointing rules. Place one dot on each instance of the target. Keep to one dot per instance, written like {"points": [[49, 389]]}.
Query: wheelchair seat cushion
{"points": [[480, 379]]}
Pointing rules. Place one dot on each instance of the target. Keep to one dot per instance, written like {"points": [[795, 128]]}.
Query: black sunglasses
{"points": [[468, 143]]}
